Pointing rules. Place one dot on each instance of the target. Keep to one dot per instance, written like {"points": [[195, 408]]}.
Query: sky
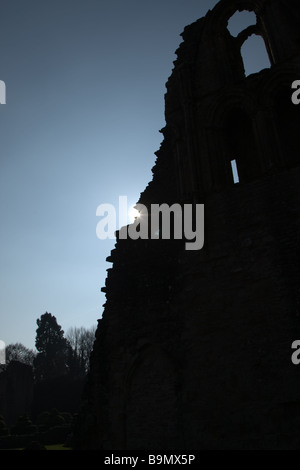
{"points": [[85, 84]]}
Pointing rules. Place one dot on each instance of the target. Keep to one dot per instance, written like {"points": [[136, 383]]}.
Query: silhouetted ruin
{"points": [[194, 347], [16, 391]]}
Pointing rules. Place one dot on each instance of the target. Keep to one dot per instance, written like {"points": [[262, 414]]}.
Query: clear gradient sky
{"points": [[85, 101]]}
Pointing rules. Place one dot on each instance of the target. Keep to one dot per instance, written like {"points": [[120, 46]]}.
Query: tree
{"points": [[53, 349], [81, 341], [18, 352]]}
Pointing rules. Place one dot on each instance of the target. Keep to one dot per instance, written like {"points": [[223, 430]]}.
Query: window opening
{"points": [[235, 173], [254, 55]]}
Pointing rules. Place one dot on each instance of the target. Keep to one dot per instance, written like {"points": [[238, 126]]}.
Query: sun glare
{"points": [[133, 214]]}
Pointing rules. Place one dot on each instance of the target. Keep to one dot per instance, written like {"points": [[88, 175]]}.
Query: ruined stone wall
{"points": [[16, 391], [194, 347]]}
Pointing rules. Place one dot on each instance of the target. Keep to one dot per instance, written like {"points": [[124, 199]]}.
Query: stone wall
{"points": [[16, 391], [194, 347]]}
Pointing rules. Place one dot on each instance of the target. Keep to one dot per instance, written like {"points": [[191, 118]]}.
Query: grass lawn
{"points": [[57, 447]]}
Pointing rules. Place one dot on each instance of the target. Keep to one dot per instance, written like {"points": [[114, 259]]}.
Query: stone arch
{"points": [[225, 10], [241, 21], [228, 65], [281, 38], [232, 136], [217, 109], [152, 384]]}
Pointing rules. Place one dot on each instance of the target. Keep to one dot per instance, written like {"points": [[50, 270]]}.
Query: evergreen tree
{"points": [[53, 349]]}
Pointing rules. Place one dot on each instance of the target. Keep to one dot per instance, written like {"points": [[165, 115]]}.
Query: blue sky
{"points": [[85, 86]]}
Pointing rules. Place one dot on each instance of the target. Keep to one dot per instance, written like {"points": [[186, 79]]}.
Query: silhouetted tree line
{"points": [[59, 365], [57, 354]]}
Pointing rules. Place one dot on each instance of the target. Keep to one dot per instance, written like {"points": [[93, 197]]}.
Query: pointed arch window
{"points": [[254, 54], [244, 27], [241, 156]]}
